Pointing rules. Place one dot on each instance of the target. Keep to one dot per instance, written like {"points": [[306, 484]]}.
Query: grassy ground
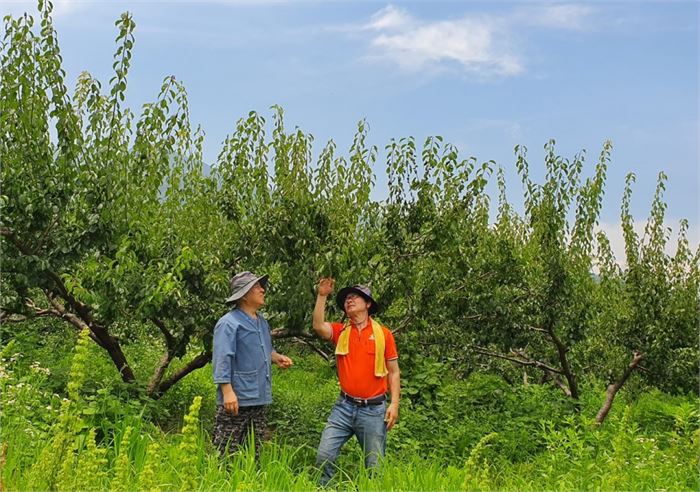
{"points": [[62, 430]]}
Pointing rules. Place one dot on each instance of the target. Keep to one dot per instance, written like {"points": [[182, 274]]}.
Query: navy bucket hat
{"points": [[362, 291]]}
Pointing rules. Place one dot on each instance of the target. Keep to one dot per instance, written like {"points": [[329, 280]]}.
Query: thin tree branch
{"points": [[522, 361], [299, 338], [59, 311], [46, 232], [559, 384], [5, 318], [537, 329], [563, 360], [404, 323], [39, 312], [313, 347], [548, 373], [10, 236], [281, 333]]}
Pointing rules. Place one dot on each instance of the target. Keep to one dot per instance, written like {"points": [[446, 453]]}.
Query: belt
{"points": [[363, 402]]}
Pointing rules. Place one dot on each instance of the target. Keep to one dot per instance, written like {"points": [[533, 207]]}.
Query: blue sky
{"points": [[484, 75]]}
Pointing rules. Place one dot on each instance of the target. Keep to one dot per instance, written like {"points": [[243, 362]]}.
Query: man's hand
{"points": [[282, 361], [392, 415], [230, 399], [326, 286]]}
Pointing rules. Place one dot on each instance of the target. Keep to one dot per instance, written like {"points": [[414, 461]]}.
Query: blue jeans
{"points": [[346, 419]]}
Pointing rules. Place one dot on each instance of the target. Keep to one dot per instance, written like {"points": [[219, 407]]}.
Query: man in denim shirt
{"points": [[242, 361]]}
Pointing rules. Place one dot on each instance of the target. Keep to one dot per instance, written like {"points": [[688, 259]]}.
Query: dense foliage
{"points": [[111, 224]]}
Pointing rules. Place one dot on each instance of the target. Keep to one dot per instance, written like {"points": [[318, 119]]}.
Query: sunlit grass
{"points": [[95, 442]]}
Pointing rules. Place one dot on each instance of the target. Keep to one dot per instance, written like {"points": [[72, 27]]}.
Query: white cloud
{"points": [[485, 45], [468, 43], [389, 18], [475, 45], [614, 233], [563, 16]]}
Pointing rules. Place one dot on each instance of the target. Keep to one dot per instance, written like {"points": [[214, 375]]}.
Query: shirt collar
{"points": [[367, 325], [253, 321]]}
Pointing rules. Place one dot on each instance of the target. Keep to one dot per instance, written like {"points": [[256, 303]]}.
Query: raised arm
{"points": [[323, 329]]}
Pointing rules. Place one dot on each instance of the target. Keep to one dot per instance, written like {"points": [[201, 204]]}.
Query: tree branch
{"points": [[79, 307], [169, 338], [11, 318], [556, 381], [10, 236], [404, 323], [200, 361], [82, 309], [281, 333], [299, 338], [313, 347], [537, 329], [550, 373], [46, 232], [524, 361], [58, 311]]}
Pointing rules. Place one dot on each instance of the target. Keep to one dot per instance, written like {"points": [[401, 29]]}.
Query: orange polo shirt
{"points": [[356, 369]]}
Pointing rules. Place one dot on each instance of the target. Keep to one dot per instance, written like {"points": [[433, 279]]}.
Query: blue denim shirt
{"points": [[242, 356]]}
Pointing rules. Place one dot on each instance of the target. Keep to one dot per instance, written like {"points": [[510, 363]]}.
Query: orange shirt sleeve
{"points": [[390, 352], [337, 328]]}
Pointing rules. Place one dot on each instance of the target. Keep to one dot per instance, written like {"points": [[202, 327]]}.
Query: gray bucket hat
{"points": [[362, 291], [242, 282]]}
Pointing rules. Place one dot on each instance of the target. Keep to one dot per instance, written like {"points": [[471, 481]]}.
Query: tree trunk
{"points": [[101, 336], [159, 373], [115, 352], [564, 362], [615, 387]]}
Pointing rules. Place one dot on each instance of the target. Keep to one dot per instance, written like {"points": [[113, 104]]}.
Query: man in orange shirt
{"points": [[367, 363]]}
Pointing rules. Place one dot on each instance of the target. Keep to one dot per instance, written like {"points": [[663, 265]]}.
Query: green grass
{"points": [[627, 463], [479, 434]]}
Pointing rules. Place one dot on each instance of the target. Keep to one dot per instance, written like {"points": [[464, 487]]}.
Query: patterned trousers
{"points": [[232, 431]]}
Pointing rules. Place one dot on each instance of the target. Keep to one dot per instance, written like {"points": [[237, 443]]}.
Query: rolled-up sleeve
{"points": [[224, 351]]}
